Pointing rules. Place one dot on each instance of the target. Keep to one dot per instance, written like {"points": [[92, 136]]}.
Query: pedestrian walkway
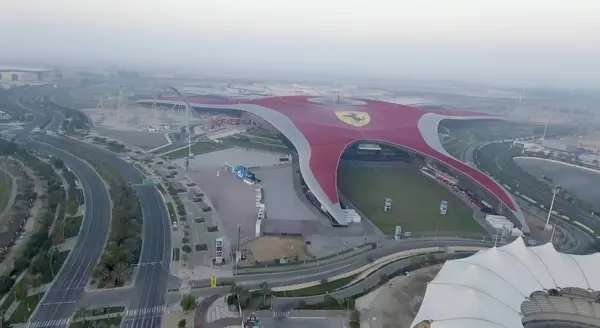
{"points": [[49, 323], [219, 310], [145, 311]]}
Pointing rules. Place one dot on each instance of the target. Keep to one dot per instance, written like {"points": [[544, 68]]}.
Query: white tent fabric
{"points": [[487, 288]]}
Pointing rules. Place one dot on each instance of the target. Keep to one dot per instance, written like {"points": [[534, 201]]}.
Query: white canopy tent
{"points": [[488, 288]]}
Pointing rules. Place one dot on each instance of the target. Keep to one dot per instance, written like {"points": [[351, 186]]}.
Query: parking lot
{"points": [[233, 200]]}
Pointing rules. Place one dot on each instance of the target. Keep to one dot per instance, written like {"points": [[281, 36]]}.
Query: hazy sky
{"points": [[542, 41]]}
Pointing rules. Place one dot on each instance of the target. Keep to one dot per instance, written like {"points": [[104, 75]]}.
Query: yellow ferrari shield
{"points": [[357, 119]]}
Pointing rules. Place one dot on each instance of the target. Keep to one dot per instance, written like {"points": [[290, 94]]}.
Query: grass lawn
{"points": [[72, 226], [201, 147], [415, 199], [5, 187], [318, 289], [57, 261], [25, 308]]}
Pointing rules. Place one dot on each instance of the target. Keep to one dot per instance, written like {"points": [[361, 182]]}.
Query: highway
{"points": [[58, 304], [146, 302]]}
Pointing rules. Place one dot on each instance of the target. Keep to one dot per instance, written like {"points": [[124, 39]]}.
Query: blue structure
{"points": [[241, 172]]}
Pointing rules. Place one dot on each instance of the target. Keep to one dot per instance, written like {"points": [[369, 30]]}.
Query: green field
{"points": [[415, 199], [25, 309], [5, 187]]}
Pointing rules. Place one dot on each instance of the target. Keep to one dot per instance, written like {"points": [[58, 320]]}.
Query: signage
{"points": [[398, 232], [354, 118]]}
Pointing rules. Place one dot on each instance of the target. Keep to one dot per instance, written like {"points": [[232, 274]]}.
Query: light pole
{"points": [[188, 110], [555, 191]]}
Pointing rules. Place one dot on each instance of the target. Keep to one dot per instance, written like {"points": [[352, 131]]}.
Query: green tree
{"points": [[265, 290], [188, 303], [181, 324], [186, 248]]}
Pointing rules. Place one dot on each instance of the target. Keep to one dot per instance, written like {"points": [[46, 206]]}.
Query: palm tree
{"points": [[265, 290]]}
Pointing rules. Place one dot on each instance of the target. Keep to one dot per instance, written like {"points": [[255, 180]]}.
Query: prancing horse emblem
{"points": [[357, 119]]}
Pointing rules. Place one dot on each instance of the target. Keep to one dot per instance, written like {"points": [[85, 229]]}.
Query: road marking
{"points": [[309, 318], [54, 303], [145, 311], [49, 323]]}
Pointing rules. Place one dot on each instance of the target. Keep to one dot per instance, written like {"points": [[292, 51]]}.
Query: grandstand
{"points": [[514, 286]]}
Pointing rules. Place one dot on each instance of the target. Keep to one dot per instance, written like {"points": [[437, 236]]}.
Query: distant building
{"points": [[560, 146], [23, 74]]}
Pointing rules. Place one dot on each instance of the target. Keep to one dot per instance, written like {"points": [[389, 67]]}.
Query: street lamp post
{"points": [[188, 109], [555, 191]]}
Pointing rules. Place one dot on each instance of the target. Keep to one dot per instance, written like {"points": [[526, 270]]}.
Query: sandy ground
{"points": [[397, 306], [591, 140], [268, 248], [172, 319]]}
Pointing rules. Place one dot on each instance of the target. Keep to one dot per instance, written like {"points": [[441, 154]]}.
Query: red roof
{"points": [[328, 135]]}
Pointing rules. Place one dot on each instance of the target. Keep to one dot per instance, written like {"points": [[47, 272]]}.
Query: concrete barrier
{"points": [[257, 227], [368, 269]]}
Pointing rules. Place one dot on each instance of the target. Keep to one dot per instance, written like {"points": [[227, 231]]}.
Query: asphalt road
{"points": [[147, 301], [58, 304], [316, 273]]}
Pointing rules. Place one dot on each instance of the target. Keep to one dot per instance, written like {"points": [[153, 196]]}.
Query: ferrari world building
{"points": [[321, 131], [513, 286]]}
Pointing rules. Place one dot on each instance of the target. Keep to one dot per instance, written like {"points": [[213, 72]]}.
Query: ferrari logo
{"points": [[357, 119]]}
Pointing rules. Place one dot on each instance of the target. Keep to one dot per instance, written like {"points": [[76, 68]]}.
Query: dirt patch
{"points": [[269, 248], [405, 293], [591, 140]]}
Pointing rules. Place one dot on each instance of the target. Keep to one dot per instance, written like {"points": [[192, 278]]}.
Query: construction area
{"points": [[395, 305]]}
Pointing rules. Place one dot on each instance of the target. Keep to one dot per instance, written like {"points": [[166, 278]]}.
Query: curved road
{"points": [[146, 303], [58, 304], [147, 300]]}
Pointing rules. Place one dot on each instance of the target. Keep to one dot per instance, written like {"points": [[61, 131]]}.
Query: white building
{"points": [[489, 288]]}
